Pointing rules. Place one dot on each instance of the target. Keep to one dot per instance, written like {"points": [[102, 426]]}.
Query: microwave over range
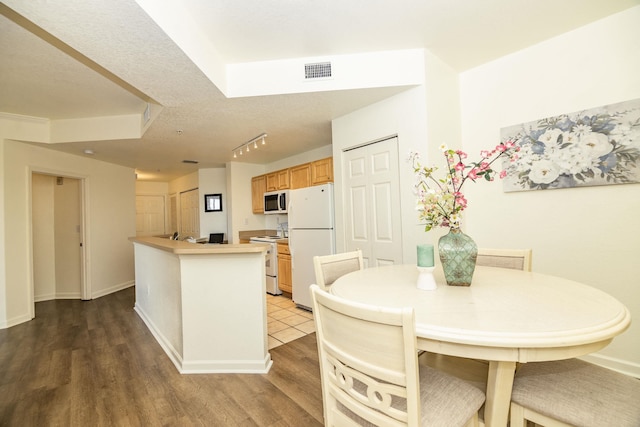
{"points": [[275, 202]]}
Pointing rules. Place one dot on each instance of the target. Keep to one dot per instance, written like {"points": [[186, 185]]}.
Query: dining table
{"points": [[505, 317]]}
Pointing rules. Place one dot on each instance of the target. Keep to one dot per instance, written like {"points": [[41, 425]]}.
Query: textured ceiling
{"points": [[74, 59]]}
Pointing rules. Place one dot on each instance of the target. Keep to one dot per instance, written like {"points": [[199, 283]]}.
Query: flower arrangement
{"points": [[593, 147], [440, 201]]}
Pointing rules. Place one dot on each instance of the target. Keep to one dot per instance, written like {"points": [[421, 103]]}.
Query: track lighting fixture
{"points": [[247, 145]]}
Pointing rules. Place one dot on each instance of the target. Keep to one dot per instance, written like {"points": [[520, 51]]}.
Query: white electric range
{"points": [[271, 262]]}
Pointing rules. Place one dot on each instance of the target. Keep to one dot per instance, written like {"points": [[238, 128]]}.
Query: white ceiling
{"points": [[87, 58]]}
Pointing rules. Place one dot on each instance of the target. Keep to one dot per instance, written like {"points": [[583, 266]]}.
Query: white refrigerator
{"points": [[311, 233]]}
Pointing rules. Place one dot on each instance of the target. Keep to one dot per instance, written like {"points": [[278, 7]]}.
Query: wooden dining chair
{"points": [[517, 259], [328, 268], [573, 392], [369, 370]]}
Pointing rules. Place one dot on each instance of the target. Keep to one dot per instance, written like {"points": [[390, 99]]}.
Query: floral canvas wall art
{"points": [[600, 146]]}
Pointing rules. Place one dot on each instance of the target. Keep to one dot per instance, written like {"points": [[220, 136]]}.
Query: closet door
{"points": [[150, 215], [372, 202], [190, 214]]}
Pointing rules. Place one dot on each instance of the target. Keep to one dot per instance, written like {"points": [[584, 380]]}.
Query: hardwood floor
{"points": [[95, 363]]}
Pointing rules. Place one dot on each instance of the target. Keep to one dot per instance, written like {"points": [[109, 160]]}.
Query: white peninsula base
{"points": [[204, 304]]}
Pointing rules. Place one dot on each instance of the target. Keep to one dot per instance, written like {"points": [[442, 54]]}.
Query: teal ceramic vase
{"points": [[458, 253]]}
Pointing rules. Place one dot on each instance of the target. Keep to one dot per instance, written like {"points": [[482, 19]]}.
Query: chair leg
{"points": [[517, 416]]}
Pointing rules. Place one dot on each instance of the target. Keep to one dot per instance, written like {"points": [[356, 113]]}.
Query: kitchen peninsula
{"points": [[204, 304]]}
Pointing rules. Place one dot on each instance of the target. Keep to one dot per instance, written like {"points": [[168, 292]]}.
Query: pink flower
{"points": [[440, 199], [460, 200]]}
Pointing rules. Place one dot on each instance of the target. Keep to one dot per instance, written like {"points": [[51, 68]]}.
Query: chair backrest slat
{"points": [[517, 259]]}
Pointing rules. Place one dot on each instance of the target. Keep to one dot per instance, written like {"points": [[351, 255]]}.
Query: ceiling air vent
{"points": [[319, 70]]}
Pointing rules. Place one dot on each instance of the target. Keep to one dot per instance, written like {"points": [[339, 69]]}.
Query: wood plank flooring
{"points": [[94, 363]]}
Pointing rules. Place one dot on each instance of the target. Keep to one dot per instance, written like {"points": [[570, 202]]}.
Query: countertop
{"points": [[180, 247]]}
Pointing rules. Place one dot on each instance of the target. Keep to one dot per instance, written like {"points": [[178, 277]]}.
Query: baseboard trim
{"points": [[15, 321], [228, 366], [204, 366], [112, 289], [173, 354], [623, 366]]}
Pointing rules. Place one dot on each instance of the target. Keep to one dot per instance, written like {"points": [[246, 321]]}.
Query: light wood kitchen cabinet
{"points": [[284, 268], [278, 180], [300, 176], [305, 175], [322, 171], [258, 188]]}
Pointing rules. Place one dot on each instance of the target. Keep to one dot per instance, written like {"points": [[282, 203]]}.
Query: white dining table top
{"points": [[501, 308]]}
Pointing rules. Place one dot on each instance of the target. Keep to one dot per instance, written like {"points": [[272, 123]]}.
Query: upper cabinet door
{"points": [[322, 171], [258, 188], [301, 176]]}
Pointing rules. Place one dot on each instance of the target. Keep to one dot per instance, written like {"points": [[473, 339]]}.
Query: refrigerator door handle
{"points": [[291, 250]]}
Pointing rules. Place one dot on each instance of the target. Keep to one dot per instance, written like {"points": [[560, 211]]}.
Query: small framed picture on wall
{"points": [[213, 202]]}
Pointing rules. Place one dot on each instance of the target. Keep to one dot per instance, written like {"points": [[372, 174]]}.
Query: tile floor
{"points": [[285, 321]]}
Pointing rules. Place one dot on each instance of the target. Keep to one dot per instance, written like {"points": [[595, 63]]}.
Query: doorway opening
{"points": [[58, 219]]}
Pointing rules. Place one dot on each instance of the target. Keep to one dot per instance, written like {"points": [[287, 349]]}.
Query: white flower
{"points": [[596, 144], [572, 160], [581, 130], [550, 137], [544, 172], [570, 137]]}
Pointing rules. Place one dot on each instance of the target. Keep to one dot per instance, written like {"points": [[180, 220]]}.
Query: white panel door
{"points": [[190, 214], [150, 215], [371, 194]]}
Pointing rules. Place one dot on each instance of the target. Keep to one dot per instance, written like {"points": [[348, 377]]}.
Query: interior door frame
{"points": [[85, 268]]}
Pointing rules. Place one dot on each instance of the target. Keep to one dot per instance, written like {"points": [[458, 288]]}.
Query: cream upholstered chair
{"points": [[329, 267], [574, 393], [517, 259], [369, 370]]}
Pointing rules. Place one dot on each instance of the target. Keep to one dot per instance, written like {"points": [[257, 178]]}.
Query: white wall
{"points": [[213, 181], [110, 211], [241, 216], [588, 234], [152, 188], [184, 183], [299, 159]]}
